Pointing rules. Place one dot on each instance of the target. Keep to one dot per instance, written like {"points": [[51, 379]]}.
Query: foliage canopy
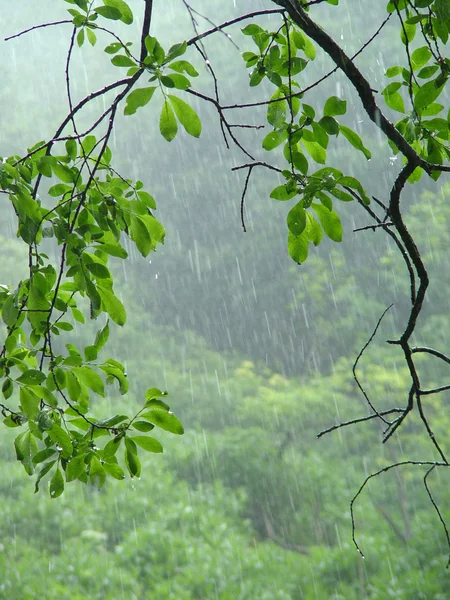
{"points": [[74, 209]]}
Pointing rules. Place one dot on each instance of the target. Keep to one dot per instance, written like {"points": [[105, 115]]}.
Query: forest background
{"points": [[256, 353]]}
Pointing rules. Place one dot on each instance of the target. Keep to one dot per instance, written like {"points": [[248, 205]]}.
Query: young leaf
{"points": [[147, 443], [138, 98], [298, 247], [75, 468], [330, 222], [355, 141], [165, 420], [97, 474], [126, 14], [334, 106], [112, 305], [31, 377], [283, 192], [108, 12], [187, 116], [60, 437], [427, 94], [296, 219], [167, 124], [56, 484]]}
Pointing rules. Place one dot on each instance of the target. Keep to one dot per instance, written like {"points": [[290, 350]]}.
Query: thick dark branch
{"points": [[410, 246], [394, 236], [146, 27]]}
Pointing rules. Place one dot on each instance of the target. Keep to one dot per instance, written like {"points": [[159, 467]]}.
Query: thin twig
{"points": [[355, 364]]}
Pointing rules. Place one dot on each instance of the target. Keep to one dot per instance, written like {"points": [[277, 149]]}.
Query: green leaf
{"points": [[80, 38], [167, 124], [284, 192], [7, 388], [330, 125], [97, 474], [26, 448], [38, 307], [394, 101], [138, 98], [355, 140], [141, 235], [164, 420], [71, 149], [187, 116], [113, 250], [153, 393], [63, 173], [296, 219], [108, 12], [183, 66], [111, 448], [143, 426], [427, 94], [91, 36], [356, 185], [43, 455], [31, 377], [123, 61], [89, 143], [91, 379], [102, 337], [60, 437], [420, 57], [9, 311], [432, 109], [131, 458], [114, 471], [98, 270], [394, 71], [73, 386], [75, 468], [276, 111], [176, 80], [45, 469], [407, 32], [147, 199], [159, 404], [147, 443], [330, 222], [274, 139], [313, 230], [112, 305], [316, 151], [341, 195], [30, 402], [298, 247], [334, 106], [126, 14], [309, 49], [56, 484]]}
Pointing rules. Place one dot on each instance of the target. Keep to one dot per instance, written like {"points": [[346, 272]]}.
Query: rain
{"points": [[281, 487]]}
